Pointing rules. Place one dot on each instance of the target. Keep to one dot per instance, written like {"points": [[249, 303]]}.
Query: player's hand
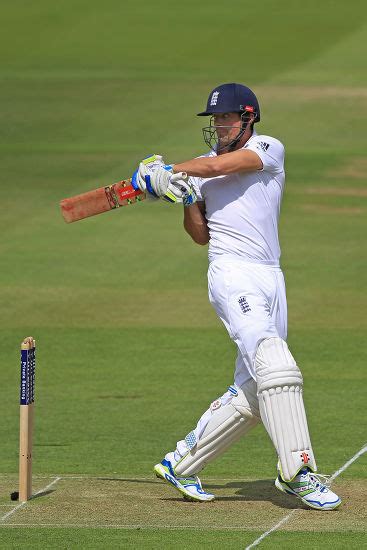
{"points": [[167, 185], [147, 166], [183, 191]]}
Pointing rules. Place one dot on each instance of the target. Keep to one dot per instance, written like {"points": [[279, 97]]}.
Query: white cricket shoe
{"points": [[311, 488], [189, 487]]}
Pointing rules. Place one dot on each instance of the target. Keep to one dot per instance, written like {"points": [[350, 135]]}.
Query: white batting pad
{"points": [[229, 418], [279, 383]]}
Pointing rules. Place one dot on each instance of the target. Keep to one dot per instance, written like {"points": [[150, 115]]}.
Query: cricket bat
{"points": [[100, 200]]}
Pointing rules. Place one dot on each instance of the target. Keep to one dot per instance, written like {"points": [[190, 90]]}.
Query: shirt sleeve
{"points": [[196, 183], [270, 151]]}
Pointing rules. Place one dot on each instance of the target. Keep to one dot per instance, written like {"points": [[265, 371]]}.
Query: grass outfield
{"points": [[129, 350]]}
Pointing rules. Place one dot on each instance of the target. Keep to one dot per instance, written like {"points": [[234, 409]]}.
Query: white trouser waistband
{"points": [[226, 258]]}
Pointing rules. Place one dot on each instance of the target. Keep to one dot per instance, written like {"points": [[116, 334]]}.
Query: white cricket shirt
{"points": [[243, 209]]}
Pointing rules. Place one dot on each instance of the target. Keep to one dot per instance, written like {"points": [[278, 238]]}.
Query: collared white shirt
{"points": [[242, 209]]}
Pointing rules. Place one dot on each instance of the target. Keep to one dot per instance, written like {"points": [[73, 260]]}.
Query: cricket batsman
{"points": [[232, 197]]}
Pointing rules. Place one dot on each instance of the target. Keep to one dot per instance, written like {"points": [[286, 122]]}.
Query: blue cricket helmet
{"points": [[232, 97]]}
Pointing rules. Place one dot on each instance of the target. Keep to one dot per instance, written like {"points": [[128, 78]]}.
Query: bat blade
{"points": [[100, 200]]}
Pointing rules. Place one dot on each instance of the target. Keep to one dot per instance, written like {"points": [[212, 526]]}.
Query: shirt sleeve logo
{"points": [[264, 146]]}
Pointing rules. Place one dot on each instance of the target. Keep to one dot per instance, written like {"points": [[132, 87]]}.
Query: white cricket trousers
{"points": [[250, 300]]}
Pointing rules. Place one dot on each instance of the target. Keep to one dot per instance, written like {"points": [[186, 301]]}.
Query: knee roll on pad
{"points": [[227, 423], [279, 384], [275, 365]]}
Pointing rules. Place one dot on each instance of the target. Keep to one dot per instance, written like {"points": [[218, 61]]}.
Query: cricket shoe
{"points": [[189, 487], [311, 488]]}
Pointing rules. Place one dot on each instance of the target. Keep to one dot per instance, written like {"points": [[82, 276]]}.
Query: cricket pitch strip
{"points": [[146, 503]]}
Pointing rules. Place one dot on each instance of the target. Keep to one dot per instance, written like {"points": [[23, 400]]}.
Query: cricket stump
{"points": [[27, 378]]}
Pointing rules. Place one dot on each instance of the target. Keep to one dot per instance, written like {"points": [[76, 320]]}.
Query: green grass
{"points": [[141, 511], [129, 350], [177, 538], [126, 538]]}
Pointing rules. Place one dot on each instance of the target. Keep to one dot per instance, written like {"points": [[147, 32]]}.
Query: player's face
{"points": [[228, 126]]}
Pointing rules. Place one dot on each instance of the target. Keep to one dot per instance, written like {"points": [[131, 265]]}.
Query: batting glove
{"points": [[167, 185], [188, 195], [147, 166], [182, 190]]}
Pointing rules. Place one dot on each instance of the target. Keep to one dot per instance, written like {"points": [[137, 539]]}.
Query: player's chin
{"points": [[223, 143], [223, 147]]}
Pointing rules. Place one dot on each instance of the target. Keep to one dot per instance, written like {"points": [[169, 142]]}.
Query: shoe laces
{"points": [[194, 479], [321, 482]]}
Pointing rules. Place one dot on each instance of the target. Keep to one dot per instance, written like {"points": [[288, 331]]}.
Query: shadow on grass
{"points": [[261, 490], [43, 494], [128, 480]]}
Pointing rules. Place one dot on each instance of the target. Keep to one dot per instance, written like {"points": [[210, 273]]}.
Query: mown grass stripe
{"points": [[126, 526]]}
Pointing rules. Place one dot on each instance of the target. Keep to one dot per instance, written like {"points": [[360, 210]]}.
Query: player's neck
{"points": [[244, 139], [246, 136]]}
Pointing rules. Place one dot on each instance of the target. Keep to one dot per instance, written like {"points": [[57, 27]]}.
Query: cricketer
{"points": [[231, 198]]}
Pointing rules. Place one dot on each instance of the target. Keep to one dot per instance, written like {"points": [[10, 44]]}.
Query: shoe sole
{"points": [[161, 473], [289, 491]]}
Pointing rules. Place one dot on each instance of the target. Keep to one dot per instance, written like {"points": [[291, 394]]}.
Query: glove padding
{"points": [[169, 186], [147, 166], [158, 180], [183, 190]]}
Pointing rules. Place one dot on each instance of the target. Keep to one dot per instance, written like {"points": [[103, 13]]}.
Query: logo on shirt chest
{"points": [[245, 308]]}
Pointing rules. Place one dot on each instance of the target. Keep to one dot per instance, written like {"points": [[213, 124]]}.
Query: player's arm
{"points": [[171, 181], [242, 160], [195, 222]]}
